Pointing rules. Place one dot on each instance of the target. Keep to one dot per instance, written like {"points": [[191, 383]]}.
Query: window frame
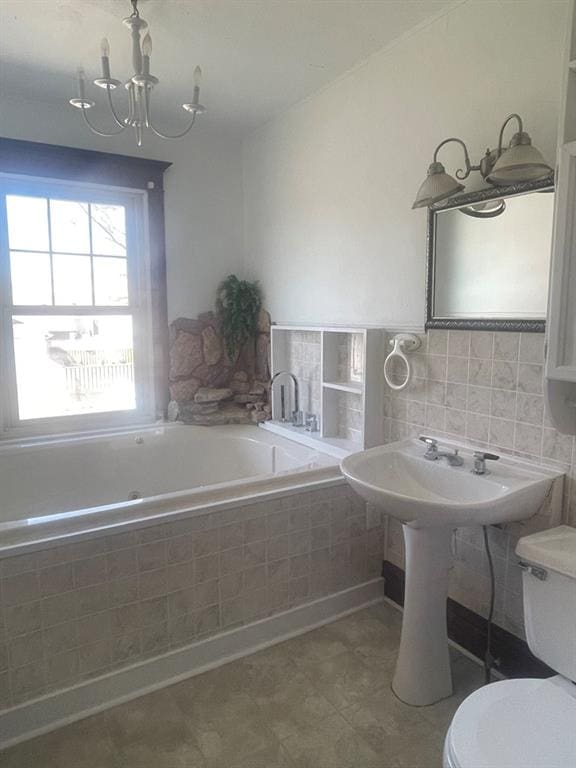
{"points": [[146, 281]]}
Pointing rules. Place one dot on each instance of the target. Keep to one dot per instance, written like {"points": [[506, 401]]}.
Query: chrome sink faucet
{"points": [[433, 454], [297, 417], [480, 459]]}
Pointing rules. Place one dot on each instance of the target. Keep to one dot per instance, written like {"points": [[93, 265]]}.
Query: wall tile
{"points": [[530, 409], [528, 438], [455, 422], [504, 375], [437, 367], [481, 344], [532, 348], [506, 346], [503, 404], [557, 446], [480, 372], [530, 378], [438, 342], [435, 392], [479, 399], [459, 344], [457, 370], [477, 427], [456, 395], [502, 433]]}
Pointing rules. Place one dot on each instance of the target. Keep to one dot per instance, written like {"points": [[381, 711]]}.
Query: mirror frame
{"points": [[457, 201]]}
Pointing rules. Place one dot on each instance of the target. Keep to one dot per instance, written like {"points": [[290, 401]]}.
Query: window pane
{"points": [[110, 281], [27, 223], [73, 365], [109, 230], [69, 222], [31, 282], [72, 280]]}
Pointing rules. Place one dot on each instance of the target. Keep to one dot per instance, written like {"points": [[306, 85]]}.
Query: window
{"points": [[76, 310]]}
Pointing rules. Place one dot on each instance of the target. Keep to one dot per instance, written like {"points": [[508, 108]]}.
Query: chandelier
{"points": [[139, 87]]}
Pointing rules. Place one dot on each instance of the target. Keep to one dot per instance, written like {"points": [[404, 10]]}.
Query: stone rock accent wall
{"points": [[208, 388]]}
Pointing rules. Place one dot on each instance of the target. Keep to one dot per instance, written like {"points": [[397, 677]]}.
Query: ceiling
{"points": [[258, 56]]}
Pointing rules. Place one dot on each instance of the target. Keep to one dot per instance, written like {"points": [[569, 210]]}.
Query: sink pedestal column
{"points": [[423, 674]]}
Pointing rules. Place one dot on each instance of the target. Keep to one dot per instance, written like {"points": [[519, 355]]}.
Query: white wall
{"points": [[203, 199], [328, 186]]}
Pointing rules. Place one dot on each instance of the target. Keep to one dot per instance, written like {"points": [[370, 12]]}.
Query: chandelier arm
{"points": [[175, 136], [118, 120], [155, 130], [96, 130]]}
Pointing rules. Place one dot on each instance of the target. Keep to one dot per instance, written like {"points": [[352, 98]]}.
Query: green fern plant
{"points": [[238, 302]]}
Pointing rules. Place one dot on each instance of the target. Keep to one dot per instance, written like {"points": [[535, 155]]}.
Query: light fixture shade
{"points": [[438, 185], [521, 162]]}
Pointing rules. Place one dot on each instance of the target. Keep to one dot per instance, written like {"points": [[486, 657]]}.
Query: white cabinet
{"points": [[339, 373], [561, 326]]}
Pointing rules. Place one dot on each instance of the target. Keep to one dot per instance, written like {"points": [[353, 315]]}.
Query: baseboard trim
{"points": [[62, 707], [467, 630]]}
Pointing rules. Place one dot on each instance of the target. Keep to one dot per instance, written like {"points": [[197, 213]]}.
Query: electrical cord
{"points": [[488, 658]]}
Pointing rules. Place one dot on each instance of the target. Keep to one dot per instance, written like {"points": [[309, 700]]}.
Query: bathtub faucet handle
{"points": [[312, 422], [297, 419]]}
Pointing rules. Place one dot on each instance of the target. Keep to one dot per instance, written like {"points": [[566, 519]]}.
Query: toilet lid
{"points": [[516, 724]]}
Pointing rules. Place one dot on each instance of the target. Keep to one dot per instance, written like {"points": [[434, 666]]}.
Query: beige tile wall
{"points": [[485, 389], [350, 417], [304, 350], [73, 612]]}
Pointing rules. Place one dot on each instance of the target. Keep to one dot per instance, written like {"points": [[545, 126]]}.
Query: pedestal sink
{"points": [[431, 498]]}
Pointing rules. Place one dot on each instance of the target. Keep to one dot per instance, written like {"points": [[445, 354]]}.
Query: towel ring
{"points": [[401, 343]]}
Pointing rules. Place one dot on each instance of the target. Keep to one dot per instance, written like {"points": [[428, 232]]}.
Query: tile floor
{"points": [[321, 700]]}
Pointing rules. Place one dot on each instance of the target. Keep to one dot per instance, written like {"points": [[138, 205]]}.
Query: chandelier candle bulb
{"points": [[197, 81], [105, 58], [146, 53], [147, 45], [197, 77]]}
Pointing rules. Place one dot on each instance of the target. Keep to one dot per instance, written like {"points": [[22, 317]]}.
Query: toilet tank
{"points": [[549, 584]]}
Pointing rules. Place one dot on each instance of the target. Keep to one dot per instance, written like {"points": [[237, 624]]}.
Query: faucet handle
{"points": [[486, 456], [480, 458], [431, 441]]}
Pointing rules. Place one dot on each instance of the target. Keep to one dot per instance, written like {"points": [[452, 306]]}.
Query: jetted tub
{"points": [[75, 486]]}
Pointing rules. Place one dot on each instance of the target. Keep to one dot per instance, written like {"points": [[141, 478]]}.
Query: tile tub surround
{"points": [[74, 612], [321, 700], [484, 389]]}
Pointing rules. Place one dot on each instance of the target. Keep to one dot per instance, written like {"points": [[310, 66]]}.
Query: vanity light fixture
{"points": [[139, 87], [518, 162]]}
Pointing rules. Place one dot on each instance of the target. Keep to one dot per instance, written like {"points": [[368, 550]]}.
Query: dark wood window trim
{"points": [[26, 158]]}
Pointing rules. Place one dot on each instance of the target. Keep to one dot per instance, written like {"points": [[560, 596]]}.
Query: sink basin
{"points": [[423, 493], [431, 498]]}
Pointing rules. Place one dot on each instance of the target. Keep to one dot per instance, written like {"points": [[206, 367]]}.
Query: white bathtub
{"points": [[55, 489]]}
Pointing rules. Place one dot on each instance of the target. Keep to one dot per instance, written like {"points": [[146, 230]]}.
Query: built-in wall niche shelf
{"points": [[345, 386], [339, 374]]}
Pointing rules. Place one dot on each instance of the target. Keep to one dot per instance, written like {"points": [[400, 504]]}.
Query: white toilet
{"points": [[529, 723]]}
